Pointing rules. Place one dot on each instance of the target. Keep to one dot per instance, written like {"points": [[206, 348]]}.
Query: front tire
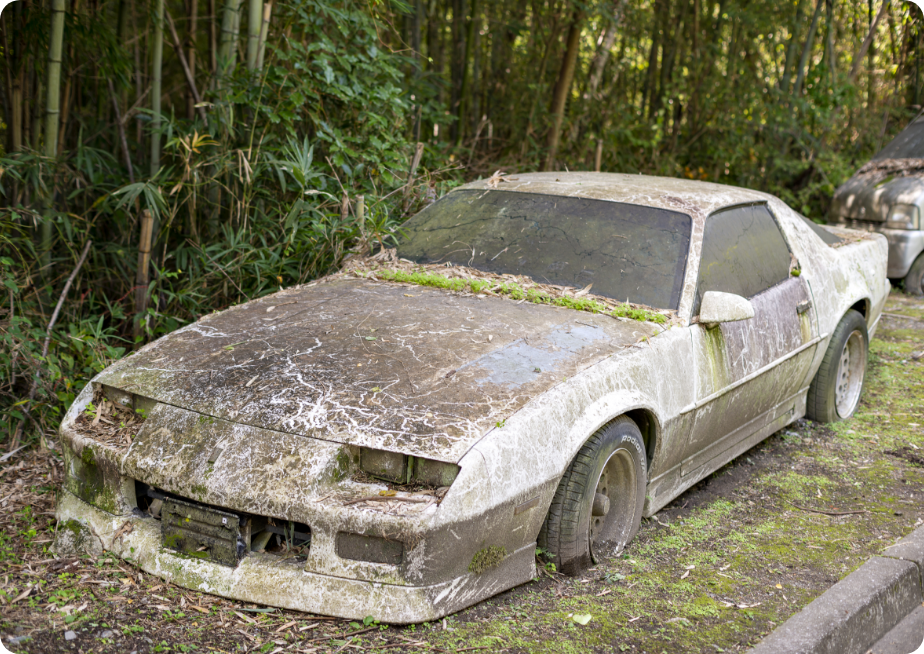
{"points": [[914, 280], [598, 504], [835, 392]]}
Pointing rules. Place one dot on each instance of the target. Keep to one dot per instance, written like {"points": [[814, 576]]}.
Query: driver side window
{"points": [[743, 253]]}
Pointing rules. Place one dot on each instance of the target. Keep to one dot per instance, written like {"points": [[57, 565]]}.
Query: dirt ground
{"points": [[713, 572]]}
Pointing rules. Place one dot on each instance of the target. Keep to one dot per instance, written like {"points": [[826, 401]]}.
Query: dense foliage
{"points": [[252, 165]]}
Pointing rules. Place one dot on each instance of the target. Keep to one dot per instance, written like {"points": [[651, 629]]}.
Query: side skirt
{"points": [[678, 479]]}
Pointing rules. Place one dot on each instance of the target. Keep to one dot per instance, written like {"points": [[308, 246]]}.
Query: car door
{"points": [[749, 373]]}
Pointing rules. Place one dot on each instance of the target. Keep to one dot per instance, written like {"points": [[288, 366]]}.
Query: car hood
{"points": [[404, 368], [870, 195]]}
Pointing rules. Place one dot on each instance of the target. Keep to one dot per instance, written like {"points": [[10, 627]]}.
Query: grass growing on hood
{"points": [[516, 292]]}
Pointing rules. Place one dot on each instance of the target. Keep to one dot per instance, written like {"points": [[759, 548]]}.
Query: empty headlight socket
{"points": [[405, 469], [126, 400]]}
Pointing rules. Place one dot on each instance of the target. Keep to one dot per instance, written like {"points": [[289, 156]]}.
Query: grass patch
{"points": [[514, 291]]}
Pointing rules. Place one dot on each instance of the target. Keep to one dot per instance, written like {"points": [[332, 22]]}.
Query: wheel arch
{"points": [[635, 408], [862, 307], [647, 423]]}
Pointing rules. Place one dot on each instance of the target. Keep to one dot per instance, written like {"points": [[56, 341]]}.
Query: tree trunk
{"points": [[563, 86], [807, 50], [606, 45], [457, 65], [156, 80], [791, 48], [254, 21], [465, 103], [651, 72], [861, 53]]}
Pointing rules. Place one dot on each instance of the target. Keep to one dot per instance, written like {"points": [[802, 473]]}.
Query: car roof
{"points": [[695, 198]]}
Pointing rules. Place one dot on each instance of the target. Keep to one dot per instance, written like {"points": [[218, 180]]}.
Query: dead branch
{"points": [[219, 268], [51, 326], [190, 80], [834, 513]]}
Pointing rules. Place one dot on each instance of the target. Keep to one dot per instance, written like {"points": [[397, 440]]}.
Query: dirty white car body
{"points": [[263, 410]]}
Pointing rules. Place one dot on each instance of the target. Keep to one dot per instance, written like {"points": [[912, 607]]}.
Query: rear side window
{"points": [[823, 234], [743, 253]]}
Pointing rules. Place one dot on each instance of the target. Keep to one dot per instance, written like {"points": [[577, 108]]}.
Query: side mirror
{"points": [[717, 308]]}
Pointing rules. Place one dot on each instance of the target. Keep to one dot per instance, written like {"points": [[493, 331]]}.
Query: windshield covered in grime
{"points": [[909, 144], [628, 252]]}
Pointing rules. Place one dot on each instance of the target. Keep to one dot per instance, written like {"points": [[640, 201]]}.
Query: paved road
{"points": [[905, 638]]}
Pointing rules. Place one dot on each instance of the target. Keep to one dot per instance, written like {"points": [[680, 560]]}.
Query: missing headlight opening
{"points": [[221, 535], [407, 470]]}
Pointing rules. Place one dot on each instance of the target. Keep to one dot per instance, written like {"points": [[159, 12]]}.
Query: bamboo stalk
{"points": [[213, 39], [141, 279], [344, 207], [254, 24], [14, 66], [157, 72], [139, 76], [53, 99], [65, 110], [264, 33], [37, 113], [598, 155], [190, 81], [27, 104], [8, 71], [228, 50]]}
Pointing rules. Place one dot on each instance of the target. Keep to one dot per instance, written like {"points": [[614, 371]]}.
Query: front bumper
{"points": [[904, 248], [265, 579], [223, 465]]}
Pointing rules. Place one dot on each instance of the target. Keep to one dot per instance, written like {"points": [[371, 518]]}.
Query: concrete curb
{"points": [[860, 609]]}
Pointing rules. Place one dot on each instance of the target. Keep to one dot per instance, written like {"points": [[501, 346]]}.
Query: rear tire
{"points": [[597, 507], [914, 280], [835, 392]]}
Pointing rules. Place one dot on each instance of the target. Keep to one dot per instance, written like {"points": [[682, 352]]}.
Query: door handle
{"points": [[803, 306]]}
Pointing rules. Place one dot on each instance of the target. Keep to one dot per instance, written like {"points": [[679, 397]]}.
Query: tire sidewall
{"points": [[617, 437], [915, 277], [851, 322]]}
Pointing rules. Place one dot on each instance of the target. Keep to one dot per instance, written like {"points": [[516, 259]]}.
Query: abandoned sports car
{"points": [[543, 360]]}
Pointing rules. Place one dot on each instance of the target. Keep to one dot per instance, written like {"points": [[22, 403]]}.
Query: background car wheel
{"points": [[914, 280], [835, 391], [598, 503]]}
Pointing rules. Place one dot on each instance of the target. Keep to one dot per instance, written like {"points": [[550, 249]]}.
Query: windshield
{"points": [[628, 252], [909, 144]]}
